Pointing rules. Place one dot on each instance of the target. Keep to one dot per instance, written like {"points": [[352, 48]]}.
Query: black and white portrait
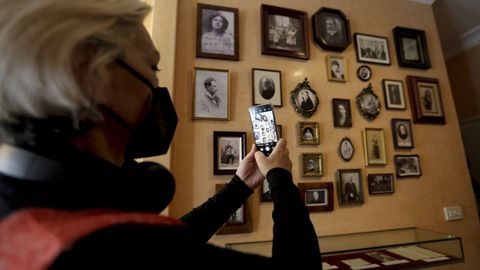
{"points": [[429, 99], [346, 149], [380, 183], [341, 113], [267, 87], [374, 146], [331, 30], [308, 132], [372, 49], [402, 133], [316, 197], [410, 49], [312, 164], [211, 94], [368, 103], [364, 73], [336, 68], [407, 165], [350, 186], [229, 152], [285, 33], [394, 97], [304, 99]]}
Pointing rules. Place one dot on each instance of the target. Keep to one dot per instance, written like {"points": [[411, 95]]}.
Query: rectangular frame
{"points": [[394, 94], [221, 43], [267, 87], [285, 32], [407, 166], [243, 225], [380, 183], [411, 47], [426, 100], [313, 204], [402, 133], [312, 165], [341, 119], [308, 133], [211, 94], [349, 186], [229, 149], [374, 146], [372, 49], [265, 192], [341, 74]]}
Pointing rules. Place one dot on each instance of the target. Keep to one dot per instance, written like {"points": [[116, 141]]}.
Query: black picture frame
{"points": [[372, 49], [402, 133], [394, 95], [285, 32], [364, 73], [331, 29], [407, 166], [346, 149], [411, 47], [380, 183], [350, 189], [228, 150], [368, 103], [342, 114], [304, 99]]}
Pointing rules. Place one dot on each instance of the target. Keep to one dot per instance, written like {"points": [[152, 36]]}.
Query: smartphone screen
{"points": [[264, 127]]}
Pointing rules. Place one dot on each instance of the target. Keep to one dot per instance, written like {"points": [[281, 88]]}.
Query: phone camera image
{"points": [[264, 127]]}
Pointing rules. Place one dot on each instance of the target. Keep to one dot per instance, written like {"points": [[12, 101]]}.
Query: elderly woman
{"points": [[78, 101]]}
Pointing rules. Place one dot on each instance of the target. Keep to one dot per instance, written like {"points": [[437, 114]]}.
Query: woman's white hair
{"points": [[38, 41]]}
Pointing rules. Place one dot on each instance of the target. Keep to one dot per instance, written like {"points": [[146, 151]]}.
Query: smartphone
{"points": [[264, 127]]}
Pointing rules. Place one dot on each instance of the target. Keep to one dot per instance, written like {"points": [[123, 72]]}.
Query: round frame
{"points": [[364, 73], [346, 156], [368, 103], [304, 99]]}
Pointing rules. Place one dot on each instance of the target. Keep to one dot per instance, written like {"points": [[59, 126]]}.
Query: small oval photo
{"points": [[266, 87]]}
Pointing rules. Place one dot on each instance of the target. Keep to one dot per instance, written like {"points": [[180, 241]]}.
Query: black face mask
{"points": [[153, 135]]}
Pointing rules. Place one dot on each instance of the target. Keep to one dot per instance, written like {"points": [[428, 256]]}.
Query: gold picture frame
{"points": [[374, 146]]}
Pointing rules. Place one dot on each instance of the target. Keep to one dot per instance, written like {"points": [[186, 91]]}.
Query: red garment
{"points": [[32, 238]]}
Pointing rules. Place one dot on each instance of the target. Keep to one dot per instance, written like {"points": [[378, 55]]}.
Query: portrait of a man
{"points": [[331, 29], [266, 87], [211, 94], [350, 185], [341, 113], [315, 196], [402, 133]]}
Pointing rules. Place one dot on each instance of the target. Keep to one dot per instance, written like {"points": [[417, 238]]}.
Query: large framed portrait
{"points": [[426, 100], [285, 32], [350, 189], [336, 68], [239, 221], [394, 95], [374, 146], [304, 99], [211, 97], [402, 133], [368, 103], [331, 29], [407, 165], [217, 32], [342, 115], [318, 196], [346, 149], [309, 133], [380, 183], [312, 164], [372, 49], [229, 149], [267, 87], [411, 47]]}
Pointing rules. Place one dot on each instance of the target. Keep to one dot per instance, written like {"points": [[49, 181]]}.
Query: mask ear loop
{"points": [[134, 73]]}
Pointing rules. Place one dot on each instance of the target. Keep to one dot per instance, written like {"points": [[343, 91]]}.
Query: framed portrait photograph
{"points": [[364, 73], [394, 95], [211, 94], [380, 183], [368, 103], [407, 165], [318, 196], [411, 47], [426, 100], [267, 87], [346, 149], [374, 146], [279, 131], [312, 164], [336, 68], [342, 115], [266, 193], [285, 32], [229, 149], [402, 133], [304, 99], [372, 49], [239, 221], [349, 183], [331, 29], [217, 32], [309, 133]]}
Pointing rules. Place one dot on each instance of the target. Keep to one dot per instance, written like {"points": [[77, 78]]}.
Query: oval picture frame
{"points": [[368, 103], [304, 99], [364, 73], [346, 149]]}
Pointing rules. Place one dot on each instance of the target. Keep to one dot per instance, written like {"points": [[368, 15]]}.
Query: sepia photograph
{"points": [[350, 188], [318, 196], [229, 150], [372, 49], [374, 146], [336, 68], [402, 133], [426, 100], [267, 87], [308, 133], [342, 116], [211, 94], [394, 95], [312, 164], [407, 165], [380, 183], [331, 29]]}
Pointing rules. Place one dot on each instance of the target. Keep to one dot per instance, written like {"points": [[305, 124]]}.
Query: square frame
{"points": [[229, 149], [341, 119], [349, 186], [411, 47], [340, 73], [285, 32], [243, 225], [308, 133], [267, 87], [407, 166], [374, 146], [402, 133], [394, 94], [333, 36], [219, 43], [322, 203], [211, 94], [426, 100], [380, 183], [312, 165], [372, 49]]}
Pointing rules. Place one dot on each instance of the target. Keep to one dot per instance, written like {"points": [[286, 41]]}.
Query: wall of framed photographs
{"points": [[412, 201]]}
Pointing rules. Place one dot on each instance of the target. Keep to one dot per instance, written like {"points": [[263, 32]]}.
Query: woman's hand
{"points": [[248, 170], [278, 158]]}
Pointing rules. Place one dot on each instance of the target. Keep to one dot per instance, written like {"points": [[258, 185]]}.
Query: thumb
{"points": [[260, 157]]}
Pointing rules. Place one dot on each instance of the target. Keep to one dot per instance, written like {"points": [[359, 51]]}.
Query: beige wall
{"points": [[416, 202]]}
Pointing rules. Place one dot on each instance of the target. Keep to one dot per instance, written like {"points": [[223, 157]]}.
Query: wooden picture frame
{"points": [[309, 133], [342, 113], [336, 68], [228, 150], [238, 222], [349, 186], [331, 29], [411, 47], [312, 165], [402, 133], [374, 146], [284, 32], [267, 87], [407, 166], [394, 94], [217, 32], [318, 196], [211, 94], [372, 49], [425, 100], [380, 183]]}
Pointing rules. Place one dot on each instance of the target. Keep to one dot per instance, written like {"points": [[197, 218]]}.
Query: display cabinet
{"points": [[404, 248]]}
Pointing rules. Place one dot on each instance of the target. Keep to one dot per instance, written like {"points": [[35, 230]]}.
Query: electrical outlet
{"points": [[453, 213]]}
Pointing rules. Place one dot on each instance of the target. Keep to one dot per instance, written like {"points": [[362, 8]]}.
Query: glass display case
{"points": [[404, 248]]}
